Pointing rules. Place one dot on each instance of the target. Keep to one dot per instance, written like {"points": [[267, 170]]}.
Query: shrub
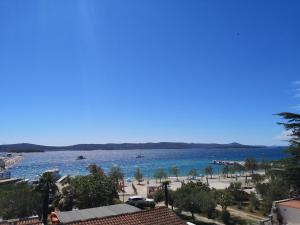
{"points": [[225, 217]]}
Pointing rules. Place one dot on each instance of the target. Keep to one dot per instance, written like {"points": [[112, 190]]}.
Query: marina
{"points": [[7, 162]]}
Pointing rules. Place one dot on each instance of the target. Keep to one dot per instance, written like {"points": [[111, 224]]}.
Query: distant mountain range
{"points": [[25, 147]]}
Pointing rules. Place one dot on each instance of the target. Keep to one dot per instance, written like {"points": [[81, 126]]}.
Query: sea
{"points": [[34, 164]]}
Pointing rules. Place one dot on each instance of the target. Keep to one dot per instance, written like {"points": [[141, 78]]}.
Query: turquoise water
{"points": [[34, 164]]}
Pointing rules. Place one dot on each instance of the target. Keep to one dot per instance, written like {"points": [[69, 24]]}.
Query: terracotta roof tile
{"points": [[31, 221], [157, 216], [291, 203]]}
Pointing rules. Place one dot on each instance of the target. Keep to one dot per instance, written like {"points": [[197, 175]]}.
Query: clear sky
{"points": [[136, 71]]}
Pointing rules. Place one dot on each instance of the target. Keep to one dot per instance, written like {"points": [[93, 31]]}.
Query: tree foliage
{"points": [[19, 200], [237, 193], [225, 170], [138, 175], [93, 190], [175, 171], [265, 165], [209, 171], [251, 164], [159, 196], [224, 199], [160, 174], [292, 163], [193, 173], [116, 173], [194, 200], [46, 186], [239, 168], [275, 190]]}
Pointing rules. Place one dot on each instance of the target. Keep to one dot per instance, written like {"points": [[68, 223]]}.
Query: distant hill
{"points": [[25, 147]]}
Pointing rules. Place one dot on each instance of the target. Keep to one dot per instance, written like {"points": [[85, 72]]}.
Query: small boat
{"points": [[80, 157], [139, 156]]}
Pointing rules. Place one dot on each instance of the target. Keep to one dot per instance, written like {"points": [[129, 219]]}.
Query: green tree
{"points": [[159, 196], [174, 171], [63, 200], [95, 170], [224, 199], [225, 170], [193, 173], [292, 163], [231, 170], [93, 190], [138, 175], [275, 190], [251, 164], [265, 165], [254, 202], [116, 173], [19, 201], [209, 171], [194, 201], [237, 192], [160, 174], [257, 178]]}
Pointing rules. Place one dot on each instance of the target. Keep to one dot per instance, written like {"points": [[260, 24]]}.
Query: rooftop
{"points": [[156, 216], [93, 213], [27, 221], [295, 203]]}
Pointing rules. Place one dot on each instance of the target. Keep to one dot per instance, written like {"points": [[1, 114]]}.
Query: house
{"points": [[95, 213], [156, 216], [286, 212]]}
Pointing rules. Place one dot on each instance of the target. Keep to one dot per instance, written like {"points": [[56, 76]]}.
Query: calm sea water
{"points": [[35, 164]]}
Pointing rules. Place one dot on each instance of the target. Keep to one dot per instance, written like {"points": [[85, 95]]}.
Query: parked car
{"points": [[141, 202]]}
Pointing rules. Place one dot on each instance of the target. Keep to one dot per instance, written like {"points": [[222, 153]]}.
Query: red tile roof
{"points": [[29, 221], [157, 216], [291, 203]]}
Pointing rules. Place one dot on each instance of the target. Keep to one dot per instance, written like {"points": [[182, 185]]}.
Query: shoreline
{"points": [[218, 181]]}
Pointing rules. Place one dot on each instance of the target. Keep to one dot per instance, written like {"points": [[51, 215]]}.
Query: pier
{"points": [[9, 161], [225, 162]]}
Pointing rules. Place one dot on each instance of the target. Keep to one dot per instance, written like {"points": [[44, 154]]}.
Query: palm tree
{"points": [[209, 171], [251, 164], [138, 175], [193, 173], [175, 171], [46, 185], [225, 170], [160, 174]]}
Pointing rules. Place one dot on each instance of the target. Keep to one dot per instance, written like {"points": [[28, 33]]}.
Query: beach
{"points": [[218, 182]]}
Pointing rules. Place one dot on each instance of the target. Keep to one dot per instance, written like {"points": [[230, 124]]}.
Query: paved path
{"points": [[202, 218], [243, 214]]}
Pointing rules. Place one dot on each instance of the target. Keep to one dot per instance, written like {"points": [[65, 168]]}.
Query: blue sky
{"points": [[137, 71]]}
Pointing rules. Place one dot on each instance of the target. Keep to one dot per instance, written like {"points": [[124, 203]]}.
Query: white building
{"points": [[286, 212]]}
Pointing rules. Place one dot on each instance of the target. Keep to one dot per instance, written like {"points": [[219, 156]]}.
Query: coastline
{"points": [[218, 181]]}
